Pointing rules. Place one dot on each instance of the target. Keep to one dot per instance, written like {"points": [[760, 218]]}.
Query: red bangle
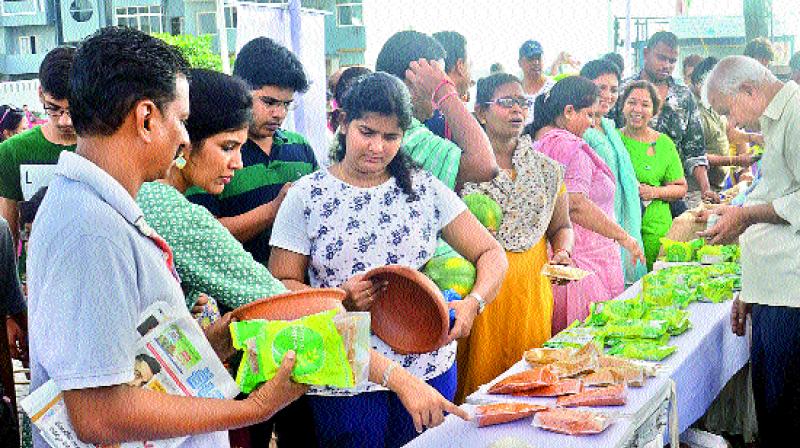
{"points": [[442, 83], [563, 250], [449, 95]]}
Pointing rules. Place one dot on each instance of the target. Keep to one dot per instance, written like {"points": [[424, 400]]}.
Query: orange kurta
{"points": [[519, 318]]}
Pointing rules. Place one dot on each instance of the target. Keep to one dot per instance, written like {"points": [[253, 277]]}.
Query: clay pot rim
{"points": [[302, 294]]}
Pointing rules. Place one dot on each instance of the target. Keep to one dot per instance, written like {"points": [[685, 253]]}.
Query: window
{"points": [[176, 26], [146, 19], [27, 45], [81, 10], [349, 13], [231, 18], [206, 23]]}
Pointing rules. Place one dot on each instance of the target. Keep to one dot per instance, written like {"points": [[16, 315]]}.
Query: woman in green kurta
{"points": [[656, 163]]}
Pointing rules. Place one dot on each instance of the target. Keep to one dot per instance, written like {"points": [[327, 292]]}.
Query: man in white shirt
{"points": [[768, 230], [94, 265]]}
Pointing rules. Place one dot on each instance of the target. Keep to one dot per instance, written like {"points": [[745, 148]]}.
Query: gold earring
{"points": [[180, 162]]}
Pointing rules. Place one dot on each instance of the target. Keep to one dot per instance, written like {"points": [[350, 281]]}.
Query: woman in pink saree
{"points": [[562, 116]]}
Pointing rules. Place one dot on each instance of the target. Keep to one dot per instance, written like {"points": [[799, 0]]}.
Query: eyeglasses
{"points": [[508, 102], [56, 112], [273, 103]]}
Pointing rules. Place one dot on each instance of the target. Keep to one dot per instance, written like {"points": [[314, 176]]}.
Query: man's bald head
{"points": [[740, 88]]}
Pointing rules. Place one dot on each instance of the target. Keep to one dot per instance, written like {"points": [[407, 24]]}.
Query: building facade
{"points": [[31, 28]]}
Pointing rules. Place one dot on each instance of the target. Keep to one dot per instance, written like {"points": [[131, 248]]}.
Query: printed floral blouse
{"points": [[346, 230], [527, 199]]}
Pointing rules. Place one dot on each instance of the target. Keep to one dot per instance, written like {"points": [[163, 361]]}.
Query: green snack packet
{"points": [[613, 342], [676, 318], [676, 251], [321, 358], [601, 313], [643, 350], [635, 329], [717, 290], [574, 337], [710, 255]]}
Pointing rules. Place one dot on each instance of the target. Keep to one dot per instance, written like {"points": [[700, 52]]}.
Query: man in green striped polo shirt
{"points": [[273, 158]]}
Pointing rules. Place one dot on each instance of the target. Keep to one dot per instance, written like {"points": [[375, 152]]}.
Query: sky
{"points": [[495, 29]]}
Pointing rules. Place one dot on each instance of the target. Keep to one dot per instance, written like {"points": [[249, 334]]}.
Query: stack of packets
{"points": [[576, 378], [698, 251], [332, 349], [173, 356], [640, 327]]}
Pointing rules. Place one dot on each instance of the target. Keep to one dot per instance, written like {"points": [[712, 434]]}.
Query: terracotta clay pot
{"points": [[411, 315], [291, 305]]}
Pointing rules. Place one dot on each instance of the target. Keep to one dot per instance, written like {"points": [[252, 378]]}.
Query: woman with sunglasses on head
{"points": [[12, 122], [604, 138], [562, 116], [656, 163], [210, 260], [530, 191]]}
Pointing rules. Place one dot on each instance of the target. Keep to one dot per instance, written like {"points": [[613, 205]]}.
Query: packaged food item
{"points": [[527, 380], [563, 387], [629, 376], [600, 377], [584, 360], [604, 396], [354, 328], [643, 350], [572, 422], [601, 313], [717, 290], [321, 357], [649, 370], [575, 337], [542, 356], [677, 251], [557, 271], [636, 328], [497, 413], [677, 319]]}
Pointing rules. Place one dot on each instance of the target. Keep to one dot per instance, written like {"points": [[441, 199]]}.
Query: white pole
{"points": [[222, 32], [629, 59]]}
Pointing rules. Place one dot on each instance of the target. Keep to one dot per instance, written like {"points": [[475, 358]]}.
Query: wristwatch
{"points": [[479, 299]]}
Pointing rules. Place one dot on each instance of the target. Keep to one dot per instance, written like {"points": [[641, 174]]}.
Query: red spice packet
{"points": [[563, 387], [497, 413], [527, 380], [573, 422], [604, 396]]}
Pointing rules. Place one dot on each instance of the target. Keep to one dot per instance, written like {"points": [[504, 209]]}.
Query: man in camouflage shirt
{"points": [[679, 116]]}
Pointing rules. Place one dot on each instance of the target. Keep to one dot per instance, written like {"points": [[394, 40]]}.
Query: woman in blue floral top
{"points": [[210, 260], [373, 208]]}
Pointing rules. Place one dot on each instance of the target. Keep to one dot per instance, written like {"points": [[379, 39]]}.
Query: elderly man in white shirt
{"points": [[768, 230]]}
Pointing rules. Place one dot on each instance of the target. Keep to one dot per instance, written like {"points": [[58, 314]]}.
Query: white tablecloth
{"points": [[707, 357]]}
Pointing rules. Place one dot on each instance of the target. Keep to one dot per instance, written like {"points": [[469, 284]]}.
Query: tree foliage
{"points": [[198, 50]]}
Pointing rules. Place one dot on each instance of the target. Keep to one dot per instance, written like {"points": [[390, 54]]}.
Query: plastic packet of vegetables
{"points": [[636, 328], [676, 318], [642, 350], [717, 290], [602, 313], [574, 337], [321, 358]]}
